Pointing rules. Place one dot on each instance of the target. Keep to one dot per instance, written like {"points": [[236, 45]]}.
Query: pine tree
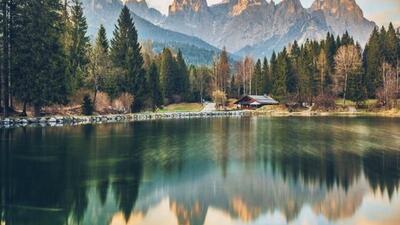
{"points": [[182, 77], [126, 55], [306, 74], [99, 68], [391, 44], [267, 81], [356, 88], [330, 49], [323, 69], [372, 62], [346, 39], [222, 71], [4, 67], [42, 78], [102, 39], [2, 83], [383, 44], [168, 71], [282, 73], [154, 86], [258, 78], [273, 72], [78, 44]]}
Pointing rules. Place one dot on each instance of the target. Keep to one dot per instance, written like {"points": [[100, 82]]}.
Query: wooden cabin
{"points": [[255, 101]]}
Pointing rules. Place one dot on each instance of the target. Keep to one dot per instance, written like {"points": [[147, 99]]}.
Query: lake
{"points": [[203, 171]]}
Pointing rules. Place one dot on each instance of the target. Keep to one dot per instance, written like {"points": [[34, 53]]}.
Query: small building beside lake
{"points": [[255, 101]]}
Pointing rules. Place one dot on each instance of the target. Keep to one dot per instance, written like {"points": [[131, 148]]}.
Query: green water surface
{"points": [[203, 171]]}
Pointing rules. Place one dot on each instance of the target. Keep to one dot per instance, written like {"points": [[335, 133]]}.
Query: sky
{"points": [[380, 11]]}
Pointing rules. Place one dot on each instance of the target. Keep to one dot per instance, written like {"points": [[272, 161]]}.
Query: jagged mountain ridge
{"points": [[345, 15], [106, 12], [140, 8], [254, 27], [247, 25]]}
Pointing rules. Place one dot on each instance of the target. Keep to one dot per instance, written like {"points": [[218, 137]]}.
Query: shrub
{"points": [[325, 102], [87, 106], [123, 103], [103, 102], [219, 98]]}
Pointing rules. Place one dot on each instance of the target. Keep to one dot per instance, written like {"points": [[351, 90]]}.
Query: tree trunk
{"points": [[94, 98], [345, 90], [397, 77], [24, 109], [5, 70], [36, 110]]}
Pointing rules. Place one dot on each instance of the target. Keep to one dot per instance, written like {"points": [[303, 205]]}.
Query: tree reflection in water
{"points": [[245, 168]]}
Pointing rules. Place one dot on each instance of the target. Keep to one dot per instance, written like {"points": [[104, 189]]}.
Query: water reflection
{"points": [[195, 172]]}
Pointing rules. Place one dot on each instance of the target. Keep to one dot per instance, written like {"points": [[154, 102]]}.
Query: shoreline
{"points": [[59, 121]]}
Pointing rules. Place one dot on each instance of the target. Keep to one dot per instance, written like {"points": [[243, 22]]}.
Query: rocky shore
{"points": [[115, 118], [100, 119]]}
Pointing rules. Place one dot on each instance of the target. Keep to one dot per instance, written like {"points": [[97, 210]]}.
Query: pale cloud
{"points": [[382, 11]]}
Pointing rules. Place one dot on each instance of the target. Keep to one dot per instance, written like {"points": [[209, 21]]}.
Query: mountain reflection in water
{"points": [[211, 172]]}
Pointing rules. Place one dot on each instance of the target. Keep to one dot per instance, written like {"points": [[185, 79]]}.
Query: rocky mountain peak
{"points": [[241, 5], [290, 6], [338, 8], [187, 5], [345, 15], [140, 8], [138, 2]]}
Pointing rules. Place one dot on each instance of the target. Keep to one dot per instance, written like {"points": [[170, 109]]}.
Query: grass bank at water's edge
{"points": [[183, 107]]}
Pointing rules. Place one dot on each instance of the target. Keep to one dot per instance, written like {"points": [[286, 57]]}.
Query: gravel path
{"points": [[210, 107]]}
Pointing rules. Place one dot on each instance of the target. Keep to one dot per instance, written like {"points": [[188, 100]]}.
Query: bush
{"points": [[325, 102], [137, 105], [103, 102], [219, 98], [123, 103], [87, 106]]}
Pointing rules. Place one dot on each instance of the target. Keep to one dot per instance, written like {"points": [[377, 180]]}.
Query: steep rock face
{"points": [[140, 8], [254, 27], [242, 5], [187, 6], [345, 15], [243, 23], [106, 12], [240, 23], [190, 17]]}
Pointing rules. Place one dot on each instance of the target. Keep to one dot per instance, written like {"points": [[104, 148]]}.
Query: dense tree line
{"points": [[47, 57], [336, 67]]}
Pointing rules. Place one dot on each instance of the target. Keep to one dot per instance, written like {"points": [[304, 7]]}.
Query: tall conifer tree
{"points": [[154, 86], [78, 44], [168, 71], [267, 81], [258, 78], [372, 63], [41, 57], [126, 55], [182, 79]]}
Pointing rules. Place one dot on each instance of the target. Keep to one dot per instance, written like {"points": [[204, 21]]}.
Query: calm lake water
{"points": [[203, 171]]}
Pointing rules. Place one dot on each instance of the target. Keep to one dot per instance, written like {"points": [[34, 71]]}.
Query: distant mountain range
{"points": [[244, 27], [106, 12]]}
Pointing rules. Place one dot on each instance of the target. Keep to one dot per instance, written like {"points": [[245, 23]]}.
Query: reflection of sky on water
{"points": [[178, 202], [221, 171], [373, 211]]}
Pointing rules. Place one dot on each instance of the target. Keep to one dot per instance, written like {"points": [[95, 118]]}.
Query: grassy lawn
{"points": [[368, 102], [183, 107]]}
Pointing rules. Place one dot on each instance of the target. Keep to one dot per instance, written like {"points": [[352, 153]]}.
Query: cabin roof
{"points": [[254, 99]]}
